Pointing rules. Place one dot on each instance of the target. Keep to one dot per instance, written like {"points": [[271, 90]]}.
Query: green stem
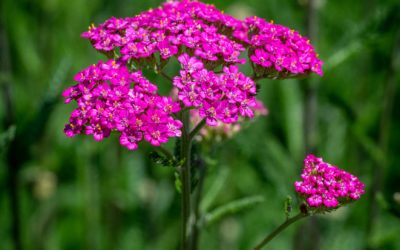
{"points": [[166, 76], [279, 229], [198, 127], [196, 207], [186, 182]]}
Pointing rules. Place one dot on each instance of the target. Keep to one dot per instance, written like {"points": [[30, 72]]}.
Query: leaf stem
{"points": [[279, 229]]}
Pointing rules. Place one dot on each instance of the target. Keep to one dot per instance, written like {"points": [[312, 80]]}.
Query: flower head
{"points": [[324, 186], [218, 97], [212, 36], [223, 130], [110, 98]]}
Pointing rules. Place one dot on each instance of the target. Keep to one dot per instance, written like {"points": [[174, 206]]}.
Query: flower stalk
{"points": [[279, 229], [197, 129], [186, 182]]}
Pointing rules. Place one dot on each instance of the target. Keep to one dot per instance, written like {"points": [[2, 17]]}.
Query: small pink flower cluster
{"points": [[214, 37], [327, 186], [107, 101], [167, 29], [278, 47], [223, 130], [217, 96]]}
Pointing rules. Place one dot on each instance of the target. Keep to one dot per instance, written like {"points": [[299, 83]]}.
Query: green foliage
{"points": [[7, 137], [231, 208]]}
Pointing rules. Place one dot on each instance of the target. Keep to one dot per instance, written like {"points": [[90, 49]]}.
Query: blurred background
{"points": [[62, 193]]}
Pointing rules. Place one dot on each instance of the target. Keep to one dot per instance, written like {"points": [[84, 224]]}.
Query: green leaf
{"points": [[374, 151], [214, 190], [232, 208], [292, 109], [343, 54], [160, 160]]}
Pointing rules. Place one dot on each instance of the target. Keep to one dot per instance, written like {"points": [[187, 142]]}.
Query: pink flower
{"points": [[156, 135], [326, 186], [219, 97], [167, 50], [190, 64], [130, 139], [209, 112], [260, 57]]}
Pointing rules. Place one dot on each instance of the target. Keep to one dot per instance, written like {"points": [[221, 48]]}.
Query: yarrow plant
{"points": [[324, 188], [210, 94]]}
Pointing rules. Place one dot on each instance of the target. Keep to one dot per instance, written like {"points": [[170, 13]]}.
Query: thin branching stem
{"points": [[198, 127], [279, 229], [166, 76]]}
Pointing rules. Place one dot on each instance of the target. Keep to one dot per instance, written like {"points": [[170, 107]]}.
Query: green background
{"points": [[81, 194]]}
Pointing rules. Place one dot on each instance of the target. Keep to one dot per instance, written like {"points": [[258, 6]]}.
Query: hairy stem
{"points": [[279, 229], [186, 183], [196, 207]]}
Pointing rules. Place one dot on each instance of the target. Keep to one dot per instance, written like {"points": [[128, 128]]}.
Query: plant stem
{"points": [[198, 127], [196, 207], [12, 164], [279, 229], [186, 182], [166, 76]]}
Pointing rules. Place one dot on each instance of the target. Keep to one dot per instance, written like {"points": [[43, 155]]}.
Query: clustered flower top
{"points": [[208, 45], [201, 29], [326, 186], [109, 98], [217, 97], [224, 130], [279, 52]]}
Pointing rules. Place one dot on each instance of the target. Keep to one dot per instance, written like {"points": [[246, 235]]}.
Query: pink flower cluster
{"points": [[278, 47], [223, 130], [327, 186], [109, 98], [204, 40], [220, 97], [175, 25], [216, 38]]}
